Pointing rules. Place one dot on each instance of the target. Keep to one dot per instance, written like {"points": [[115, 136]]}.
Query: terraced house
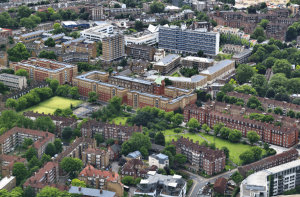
{"points": [[39, 69], [211, 161], [29, 36]]}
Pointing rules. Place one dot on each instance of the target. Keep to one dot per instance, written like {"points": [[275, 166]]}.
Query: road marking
{"points": [[193, 188]]}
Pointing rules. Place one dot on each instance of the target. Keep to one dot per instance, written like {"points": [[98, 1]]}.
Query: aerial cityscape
{"points": [[162, 98]]}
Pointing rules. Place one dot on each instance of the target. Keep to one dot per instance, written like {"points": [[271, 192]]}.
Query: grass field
{"points": [[118, 120], [193, 136], [176, 74], [52, 104], [235, 148], [169, 132]]}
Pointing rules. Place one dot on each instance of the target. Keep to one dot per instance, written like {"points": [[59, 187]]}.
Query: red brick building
{"points": [[220, 185], [114, 151], [212, 161], [7, 162], [5, 32], [39, 69], [281, 136]]}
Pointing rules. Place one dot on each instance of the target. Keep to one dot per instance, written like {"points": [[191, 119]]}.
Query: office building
{"points": [[96, 157], [180, 40], [8, 183], [167, 64], [13, 81], [39, 69], [113, 47], [211, 161], [15, 137], [219, 70], [160, 160], [100, 179], [97, 13], [200, 63], [140, 52], [273, 181], [170, 185]]}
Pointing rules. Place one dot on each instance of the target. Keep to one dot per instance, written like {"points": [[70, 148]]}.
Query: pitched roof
{"points": [[91, 192], [95, 151], [91, 171], [220, 183], [116, 148]]}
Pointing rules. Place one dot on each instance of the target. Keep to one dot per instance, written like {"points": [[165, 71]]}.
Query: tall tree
{"points": [[67, 133], [28, 192], [50, 149], [58, 145], [282, 66], [253, 137], [244, 73], [45, 123], [92, 97], [19, 171], [160, 138], [30, 153], [70, 164]]}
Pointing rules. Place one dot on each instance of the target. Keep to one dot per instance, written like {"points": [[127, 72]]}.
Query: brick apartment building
{"points": [[16, 135], [116, 131], [96, 157], [167, 64], [140, 52], [100, 179], [113, 47], [7, 162], [200, 63], [134, 168], [5, 32], [74, 57], [269, 162], [211, 161], [268, 103], [91, 49], [281, 136], [43, 177], [59, 121], [114, 151], [39, 69]]}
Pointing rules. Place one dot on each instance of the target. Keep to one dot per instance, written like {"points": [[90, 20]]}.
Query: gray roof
{"points": [[217, 67], [54, 36], [125, 72], [169, 58], [76, 40], [133, 79], [32, 33], [134, 154], [116, 147], [91, 192]]}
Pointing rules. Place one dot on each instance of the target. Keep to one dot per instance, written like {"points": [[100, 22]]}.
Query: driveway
{"points": [[115, 167]]}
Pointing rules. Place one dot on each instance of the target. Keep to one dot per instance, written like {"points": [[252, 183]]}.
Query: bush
{"points": [[189, 185], [244, 142]]}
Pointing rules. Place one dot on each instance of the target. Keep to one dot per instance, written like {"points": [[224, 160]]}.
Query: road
{"points": [[199, 181]]}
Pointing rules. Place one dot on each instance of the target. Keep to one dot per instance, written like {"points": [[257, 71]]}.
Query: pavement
{"points": [[63, 179], [115, 167]]}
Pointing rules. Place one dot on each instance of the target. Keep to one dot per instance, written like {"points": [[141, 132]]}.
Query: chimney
{"points": [[116, 142], [113, 174], [126, 124], [29, 181], [47, 133], [110, 170], [34, 181], [79, 188], [100, 191]]}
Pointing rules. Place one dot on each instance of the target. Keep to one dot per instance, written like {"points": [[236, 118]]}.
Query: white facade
{"points": [[159, 160], [150, 39], [13, 81], [97, 33]]}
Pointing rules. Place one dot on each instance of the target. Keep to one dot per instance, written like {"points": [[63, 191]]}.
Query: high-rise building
{"points": [[180, 40], [113, 47]]}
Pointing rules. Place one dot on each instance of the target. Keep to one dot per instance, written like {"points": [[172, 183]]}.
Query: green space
{"points": [[235, 148], [224, 56], [169, 132], [118, 120], [220, 49], [193, 136], [175, 74], [52, 104]]}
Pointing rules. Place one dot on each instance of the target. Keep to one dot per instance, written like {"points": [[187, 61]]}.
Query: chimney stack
{"points": [[100, 191], [79, 188]]}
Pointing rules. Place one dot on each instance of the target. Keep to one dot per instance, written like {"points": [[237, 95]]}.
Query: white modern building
{"points": [[13, 81], [272, 182], [8, 183], [150, 39], [97, 33], [159, 160]]}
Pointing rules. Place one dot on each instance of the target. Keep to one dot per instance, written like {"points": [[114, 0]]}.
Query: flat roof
{"points": [[200, 59], [5, 181], [217, 67], [169, 58], [11, 76], [91, 192], [194, 78], [133, 79], [142, 38]]}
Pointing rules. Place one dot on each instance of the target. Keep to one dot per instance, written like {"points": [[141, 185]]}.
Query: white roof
{"points": [[144, 182], [200, 59], [152, 172], [172, 184], [175, 176], [5, 181]]}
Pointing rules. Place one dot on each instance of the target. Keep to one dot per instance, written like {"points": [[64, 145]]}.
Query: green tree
{"points": [[217, 128], [127, 180], [138, 25], [157, 7], [27, 142], [250, 172], [77, 183], [30, 153], [206, 128], [22, 72], [244, 73], [8, 118], [50, 10], [263, 23], [226, 151], [54, 85], [18, 53], [200, 53], [99, 138], [67, 133], [237, 177], [170, 156], [193, 123], [28, 23], [168, 82], [50, 42], [253, 137], [159, 138], [224, 132], [247, 157], [56, 26], [291, 114], [253, 102], [70, 164], [33, 162], [259, 31], [45, 123], [28, 192], [220, 96], [177, 130], [180, 158], [144, 152], [45, 158], [24, 12], [256, 152], [19, 171], [227, 88], [50, 149], [92, 97], [171, 149], [128, 108], [282, 66], [260, 84], [177, 119], [234, 135], [58, 145], [126, 148], [278, 110]]}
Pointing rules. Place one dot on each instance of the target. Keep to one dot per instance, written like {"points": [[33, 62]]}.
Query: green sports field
{"points": [[52, 104]]}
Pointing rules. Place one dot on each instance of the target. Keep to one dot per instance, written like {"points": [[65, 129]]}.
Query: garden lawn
{"points": [[235, 148], [175, 74], [169, 132], [118, 120], [50, 105], [193, 136]]}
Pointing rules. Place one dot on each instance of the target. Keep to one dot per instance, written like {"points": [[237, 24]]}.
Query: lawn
{"points": [[193, 136], [169, 132], [226, 56], [52, 104], [118, 120], [176, 74], [235, 148]]}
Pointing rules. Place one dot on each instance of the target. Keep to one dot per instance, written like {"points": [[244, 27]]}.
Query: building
{"points": [[148, 39], [199, 5], [180, 40], [4, 40], [114, 151], [230, 48], [116, 131], [15, 137], [201, 24], [220, 185], [146, 7], [167, 64], [269, 162], [13, 81], [181, 82], [217, 71], [242, 57], [35, 35], [74, 57], [160, 54], [174, 92], [171, 185], [294, 8], [89, 192], [140, 52], [134, 168], [8, 183], [273, 181], [134, 155], [96, 157], [72, 24], [205, 191], [280, 136], [211, 161], [46, 176], [97, 33], [160, 160], [118, 11], [3, 58], [97, 13], [5, 32], [200, 63], [138, 99], [113, 47], [91, 49], [39, 69], [7, 162], [100, 179]]}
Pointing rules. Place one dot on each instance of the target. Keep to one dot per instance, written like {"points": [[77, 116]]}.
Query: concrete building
{"points": [[13, 81], [171, 185], [3, 58], [200, 63], [118, 11], [8, 183], [113, 47], [96, 157], [211, 161], [97, 13], [199, 5], [160, 160], [15, 137], [242, 57], [273, 181], [100, 179], [149, 39], [230, 48], [89, 192], [97, 33], [74, 57], [160, 54], [180, 40], [167, 64], [39, 69], [134, 155], [140, 52]]}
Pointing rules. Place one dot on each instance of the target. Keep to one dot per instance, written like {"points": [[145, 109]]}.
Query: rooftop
{"points": [[169, 58], [199, 59], [91, 192], [217, 67], [194, 78], [5, 181]]}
